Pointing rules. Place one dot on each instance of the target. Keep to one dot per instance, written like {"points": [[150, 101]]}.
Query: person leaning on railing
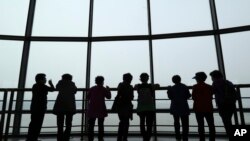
{"points": [[97, 108], [38, 105]]}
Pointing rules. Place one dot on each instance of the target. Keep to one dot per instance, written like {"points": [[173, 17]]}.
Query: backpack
{"points": [[230, 93]]}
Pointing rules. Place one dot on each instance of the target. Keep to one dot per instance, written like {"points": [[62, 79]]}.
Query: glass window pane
{"points": [[170, 16], [185, 57], [61, 18], [13, 16], [113, 59], [236, 55], [120, 17], [10, 61], [55, 59], [233, 13]]}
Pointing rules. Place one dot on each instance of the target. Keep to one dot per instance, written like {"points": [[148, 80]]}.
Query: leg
{"points": [[91, 124], [177, 127], [60, 123], [67, 131], [210, 121], [35, 126], [200, 121], [185, 127], [123, 128], [101, 129], [149, 122], [226, 117], [142, 124]]}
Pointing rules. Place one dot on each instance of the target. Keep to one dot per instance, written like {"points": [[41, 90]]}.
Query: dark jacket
{"points": [[39, 97], [65, 101], [178, 94]]}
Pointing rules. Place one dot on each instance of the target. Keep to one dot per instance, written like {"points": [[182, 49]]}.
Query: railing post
{"points": [[240, 106], [3, 113], [9, 115]]}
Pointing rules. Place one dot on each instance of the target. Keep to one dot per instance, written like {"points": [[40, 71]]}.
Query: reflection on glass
{"points": [[61, 18], [10, 61], [113, 59], [170, 16], [13, 16], [120, 17]]}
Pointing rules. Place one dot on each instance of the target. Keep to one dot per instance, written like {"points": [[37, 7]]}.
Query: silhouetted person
{"points": [[38, 105], [65, 106], [146, 105], [226, 108], [125, 96], [178, 94], [202, 95], [97, 108]]}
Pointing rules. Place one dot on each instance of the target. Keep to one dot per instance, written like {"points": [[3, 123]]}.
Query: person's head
{"points": [[99, 80], [40, 78], [215, 75], [176, 79], [144, 77], [127, 77], [67, 77], [200, 76]]}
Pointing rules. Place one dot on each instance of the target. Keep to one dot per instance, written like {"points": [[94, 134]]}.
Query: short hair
{"points": [[216, 74], [40, 76], [176, 79], [127, 77], [67, 76], [144, 75], [99, 80]]}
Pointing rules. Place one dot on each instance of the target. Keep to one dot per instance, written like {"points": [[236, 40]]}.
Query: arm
{"points": [[169, 92], [88, 94], [156, 86], [75, 88], [108, 94], [193, 93], [51, 88]]}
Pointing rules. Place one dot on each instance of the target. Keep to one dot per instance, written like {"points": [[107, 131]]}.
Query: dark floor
{"points": [[114, 139]]}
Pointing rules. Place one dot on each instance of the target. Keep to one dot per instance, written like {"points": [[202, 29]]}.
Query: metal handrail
{"points": [[7, 110]]}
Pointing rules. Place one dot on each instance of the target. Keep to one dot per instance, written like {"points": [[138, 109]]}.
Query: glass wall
{"points": [[233, 13], [120, 17], [13, 17], [11, 52], [170, 16], [112, 38], [69, 18]]}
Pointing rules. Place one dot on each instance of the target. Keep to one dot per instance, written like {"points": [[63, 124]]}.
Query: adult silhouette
{"points": [[124, 99], [65, 106], [97, 107], [202, 95], [225, 98], [178, 94], [146, 105], [38, 105]]}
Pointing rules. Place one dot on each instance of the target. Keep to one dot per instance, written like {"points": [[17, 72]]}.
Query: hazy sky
{"points": [[183, 56]]}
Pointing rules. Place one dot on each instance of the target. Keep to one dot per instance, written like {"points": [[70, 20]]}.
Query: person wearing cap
{"points": [[202, 95], [225, 109], [179, 94]]}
